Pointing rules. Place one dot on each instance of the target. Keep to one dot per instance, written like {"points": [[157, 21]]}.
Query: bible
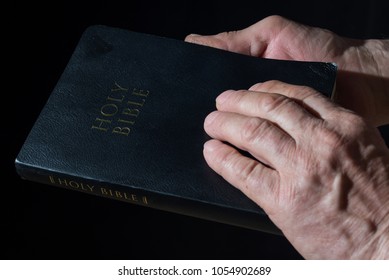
{"points": [[125, 121]]}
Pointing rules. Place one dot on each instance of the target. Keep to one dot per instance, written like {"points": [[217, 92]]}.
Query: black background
{"points": [[44, 222]]}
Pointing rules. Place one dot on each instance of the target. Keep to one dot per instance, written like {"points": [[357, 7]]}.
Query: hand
{"points": [[322, 181], [363, 79]]}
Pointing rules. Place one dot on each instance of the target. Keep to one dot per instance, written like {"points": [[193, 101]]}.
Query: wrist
{"points": [[363, 79], [377, 56], [377, 60]]}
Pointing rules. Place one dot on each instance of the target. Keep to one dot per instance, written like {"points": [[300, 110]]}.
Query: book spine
{"points": [[155, 200]]}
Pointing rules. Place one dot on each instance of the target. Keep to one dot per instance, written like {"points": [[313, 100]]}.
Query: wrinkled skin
{"points": [[363, 79], [319, 170]]}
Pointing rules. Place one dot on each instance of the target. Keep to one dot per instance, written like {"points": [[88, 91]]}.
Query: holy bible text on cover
{"points": [[125, 121]]}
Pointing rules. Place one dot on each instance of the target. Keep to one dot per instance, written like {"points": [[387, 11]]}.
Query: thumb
{"points": [[241, 41], [253, 40], [211, 41]]}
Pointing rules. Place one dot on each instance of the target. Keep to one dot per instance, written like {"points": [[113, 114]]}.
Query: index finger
{"points": [[309, 98], [276, 108]]}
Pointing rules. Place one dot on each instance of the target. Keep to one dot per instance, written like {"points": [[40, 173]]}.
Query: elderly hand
{"points": [[320, 172], [363, 79]]}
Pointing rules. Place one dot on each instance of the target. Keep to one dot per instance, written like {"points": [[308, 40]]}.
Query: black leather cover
{"points": [[126, 121]]}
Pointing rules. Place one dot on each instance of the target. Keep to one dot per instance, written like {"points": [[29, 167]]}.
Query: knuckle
{"points": [[222, 35], [355, 124], [285, 89], [239, 94], [225, 159], [305, 92], [246, 173], [256, 87], [331, 137], [233, 162], [275, 20], [270, 85], [227, 35], [343, 131], [274, 102], [267, 86], [254, 129]]}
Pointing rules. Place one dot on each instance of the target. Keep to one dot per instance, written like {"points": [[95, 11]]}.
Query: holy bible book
{"points": [[125, 121]]}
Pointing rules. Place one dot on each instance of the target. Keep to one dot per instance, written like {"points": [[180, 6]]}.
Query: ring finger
{"points": [[261, 138]]}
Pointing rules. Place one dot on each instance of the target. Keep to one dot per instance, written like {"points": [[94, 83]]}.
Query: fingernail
{"points": [[192, 37], [224, 96]]}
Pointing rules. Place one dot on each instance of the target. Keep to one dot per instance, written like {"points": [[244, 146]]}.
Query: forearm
{"points": [[379, 51], [363, 80]]}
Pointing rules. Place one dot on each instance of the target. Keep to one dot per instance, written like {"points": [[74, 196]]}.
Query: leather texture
{"points": [[167, 88]]}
